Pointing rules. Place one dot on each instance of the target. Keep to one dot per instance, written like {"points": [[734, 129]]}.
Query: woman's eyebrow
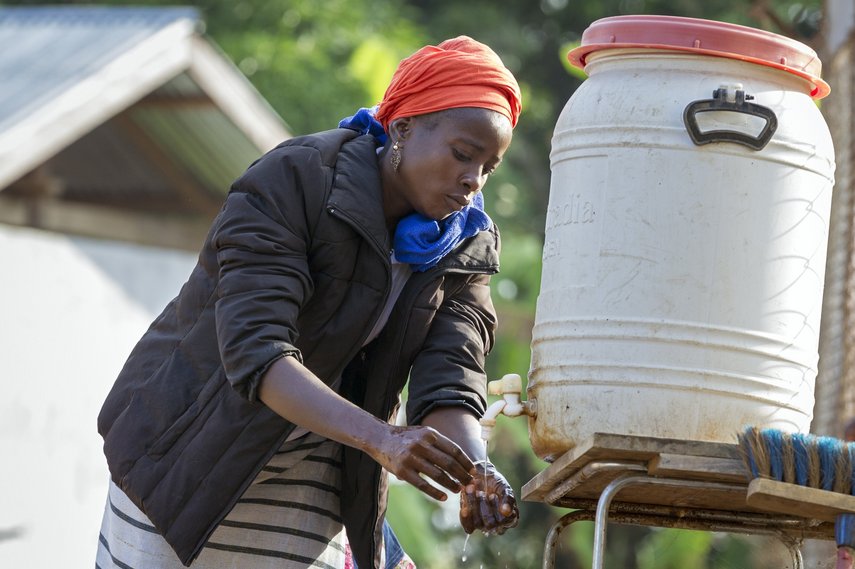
{"points": [[474, 144]]}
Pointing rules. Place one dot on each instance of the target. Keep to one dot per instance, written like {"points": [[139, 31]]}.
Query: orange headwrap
{"points": [[459, 72]]}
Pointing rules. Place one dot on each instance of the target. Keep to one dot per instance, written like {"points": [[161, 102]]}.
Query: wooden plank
{"points": [[185, 101], [610, 446], [699, 468], [728, 500], [795, 500], [680, 491], [159, 230], [591, 473]]}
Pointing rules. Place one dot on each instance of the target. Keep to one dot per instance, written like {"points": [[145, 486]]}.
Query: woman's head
{"points": [[445, 158], [459, 72], [449, 113]]}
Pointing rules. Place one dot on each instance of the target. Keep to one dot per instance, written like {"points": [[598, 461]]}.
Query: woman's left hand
{"points": [[487, 503]]}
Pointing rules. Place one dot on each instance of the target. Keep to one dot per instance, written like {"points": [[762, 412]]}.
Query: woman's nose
{"points": [[473, 182]]}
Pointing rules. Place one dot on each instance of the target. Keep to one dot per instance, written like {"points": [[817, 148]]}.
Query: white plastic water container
{"points": [[686, 237]]}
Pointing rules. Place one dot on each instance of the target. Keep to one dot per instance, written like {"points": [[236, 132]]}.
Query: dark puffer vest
{"points": [[296, 263]]}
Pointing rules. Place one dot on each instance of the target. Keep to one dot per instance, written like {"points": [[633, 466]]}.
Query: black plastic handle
{"points": [[719, 102]]}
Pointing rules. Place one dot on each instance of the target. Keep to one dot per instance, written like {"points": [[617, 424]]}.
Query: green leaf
{"points": [[373, 65], [571, 69]]}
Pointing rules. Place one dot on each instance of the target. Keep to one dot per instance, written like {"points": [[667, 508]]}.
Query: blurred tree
{"points": [[534, 37], [316, 62]]}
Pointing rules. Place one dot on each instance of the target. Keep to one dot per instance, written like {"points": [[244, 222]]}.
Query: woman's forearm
{"points": [[461, 426], [298, 395]]}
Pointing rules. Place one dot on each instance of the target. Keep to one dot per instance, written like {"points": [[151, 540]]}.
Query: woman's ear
{"points": [[399, 129]]}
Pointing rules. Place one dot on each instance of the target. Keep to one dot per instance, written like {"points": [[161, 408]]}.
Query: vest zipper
{"points": [[351, 221]]}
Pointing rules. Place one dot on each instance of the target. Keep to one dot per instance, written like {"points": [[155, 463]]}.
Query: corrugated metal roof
{"points": [[124, 108], [45, 50]]}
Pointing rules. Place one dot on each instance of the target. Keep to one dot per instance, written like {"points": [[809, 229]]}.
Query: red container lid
{"points": [[704, 37]]}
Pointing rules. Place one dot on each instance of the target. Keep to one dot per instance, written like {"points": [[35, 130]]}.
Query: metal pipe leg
{"points": [[616, 486], [555, 531], [601, 518], [794, 547]]}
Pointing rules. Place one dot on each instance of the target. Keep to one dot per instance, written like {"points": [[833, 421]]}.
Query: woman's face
{"points": [[446, 158]]}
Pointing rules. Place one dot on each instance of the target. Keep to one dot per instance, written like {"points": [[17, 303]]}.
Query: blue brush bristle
{"points": [[801, 441], [747, 442], [844, 530], [818, 462], [789, 460], [829, 449], [752, 463], [774, 446], [851, 448]]}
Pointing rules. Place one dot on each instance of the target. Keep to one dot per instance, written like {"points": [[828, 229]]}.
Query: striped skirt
{"points": [[288, 517]]}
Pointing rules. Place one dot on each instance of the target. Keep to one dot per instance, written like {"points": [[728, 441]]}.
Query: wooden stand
{"points": [[678, 484]]}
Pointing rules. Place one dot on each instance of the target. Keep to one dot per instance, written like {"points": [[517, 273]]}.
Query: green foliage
{"points": [[410, 513], [565, 49], [669, 549], [315, 62], [374, 65], [515, 291]]}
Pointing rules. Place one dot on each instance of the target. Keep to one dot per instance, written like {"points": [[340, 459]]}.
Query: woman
{"points": [[252, 420]]}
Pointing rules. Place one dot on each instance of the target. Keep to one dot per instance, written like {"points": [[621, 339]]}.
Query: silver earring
{"points": [[396, 157]]}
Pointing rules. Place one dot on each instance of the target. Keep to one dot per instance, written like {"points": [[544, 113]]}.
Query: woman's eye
{"points": [[459, 155]]}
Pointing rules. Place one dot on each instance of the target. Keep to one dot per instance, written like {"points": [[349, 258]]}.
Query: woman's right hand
{"points": [[410, 453], [414, 454]]}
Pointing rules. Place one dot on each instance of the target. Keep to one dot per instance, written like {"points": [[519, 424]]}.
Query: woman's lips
{"points": [[459, 201]]}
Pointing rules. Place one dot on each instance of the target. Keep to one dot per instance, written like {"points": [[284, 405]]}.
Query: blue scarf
{"points": [[420, 241], [364, 122]]}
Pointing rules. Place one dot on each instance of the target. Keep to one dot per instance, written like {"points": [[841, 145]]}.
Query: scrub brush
{"points": [[824, 463]]}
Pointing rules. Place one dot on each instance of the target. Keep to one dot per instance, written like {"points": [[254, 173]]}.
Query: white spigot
{"points": [[510, 389]]}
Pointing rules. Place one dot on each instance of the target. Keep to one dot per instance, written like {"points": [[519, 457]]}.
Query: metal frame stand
{"points": [[705, 520], [588, 481]]}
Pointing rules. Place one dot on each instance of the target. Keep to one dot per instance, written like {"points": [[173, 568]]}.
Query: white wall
{"points": [[71, 309]]}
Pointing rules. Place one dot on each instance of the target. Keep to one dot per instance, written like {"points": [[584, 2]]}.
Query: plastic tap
{"points": [[510, 389]]}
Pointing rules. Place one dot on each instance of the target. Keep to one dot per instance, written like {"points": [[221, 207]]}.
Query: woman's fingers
{"points": [[422, 484], [507, 514], [487, 513], [420, 454], [451, 458], [469, 509], [488, 518], [438, 458], [488, 503], [436, 474]]}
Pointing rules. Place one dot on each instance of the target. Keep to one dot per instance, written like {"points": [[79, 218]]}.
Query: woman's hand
{"points": [[414, 454], [410, 453], [488, 503]]}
